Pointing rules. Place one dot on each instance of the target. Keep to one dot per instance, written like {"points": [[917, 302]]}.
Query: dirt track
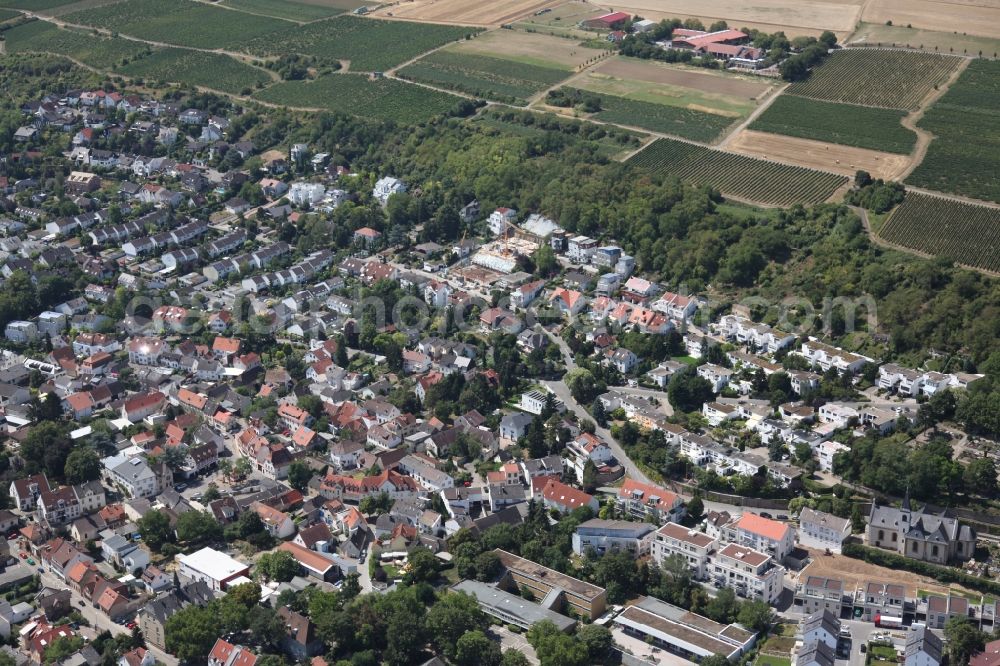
{"points": [[817, 154]]}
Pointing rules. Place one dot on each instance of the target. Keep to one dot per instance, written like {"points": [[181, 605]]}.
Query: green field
{"points": [[284, 9], [964, 158], [98, 52], [962, 232], [180, 22], [483, 76], [370, 45], [845, 124], [197, 68], [685, 123], [34, 5], [763, 182], [384, 99], [8, 14], [877, 77]]}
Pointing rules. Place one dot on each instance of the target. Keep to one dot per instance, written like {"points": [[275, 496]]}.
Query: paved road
{"points": [[98, 620], [562, 392]]}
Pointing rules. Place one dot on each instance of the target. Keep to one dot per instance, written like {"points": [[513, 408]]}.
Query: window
{"points": [[915, 547], [881, 534], [934, 551], [893, 537]]}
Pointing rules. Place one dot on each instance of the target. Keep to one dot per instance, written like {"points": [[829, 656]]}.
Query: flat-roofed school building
{"points": [[548, 585], [510, 608], [682, 632]]}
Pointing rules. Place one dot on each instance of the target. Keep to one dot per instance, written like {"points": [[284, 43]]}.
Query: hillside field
{"points": [[877, 77], [369, 44], [662, 118], [844, 124], [98, 52], [964, 157], [737, 175], [285, 9], [483, 76], [179, 22], [197, 68], [962, 232], [383, 99]]}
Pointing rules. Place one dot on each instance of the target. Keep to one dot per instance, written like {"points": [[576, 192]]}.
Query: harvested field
{"points": [[463, 12], [563, 19], [817, 154], [977, 18], [529, 48], [926, 40], [858, 572], [810, 15], [699, 79]]}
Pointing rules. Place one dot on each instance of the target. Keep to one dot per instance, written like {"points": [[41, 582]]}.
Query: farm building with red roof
{"points": [[607, 21]]}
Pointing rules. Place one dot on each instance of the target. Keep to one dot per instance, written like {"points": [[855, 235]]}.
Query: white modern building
{"points": [[603, 536], [822, 530], [211, 566]]}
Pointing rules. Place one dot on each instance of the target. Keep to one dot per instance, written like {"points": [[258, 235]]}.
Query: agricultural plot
{"points": [[98, 52], [844, 124], [34, 5], [529, 48], [737, 175], [880, 34], [663, 118], [284, 9], [978, 17], [369, 44], [794, 17], [562, 19], [8, 14], [877, 77], [384, 99], [962, 232], [964, 157], [464, 12], [180, 22], [490, 78], [197, 68]]}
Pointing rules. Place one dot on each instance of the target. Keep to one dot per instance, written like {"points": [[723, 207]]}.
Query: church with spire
{"points": [[920, 535]]}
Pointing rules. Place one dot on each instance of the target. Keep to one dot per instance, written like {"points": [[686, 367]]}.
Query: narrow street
{"points": [[559, 389], [98, 621]]}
